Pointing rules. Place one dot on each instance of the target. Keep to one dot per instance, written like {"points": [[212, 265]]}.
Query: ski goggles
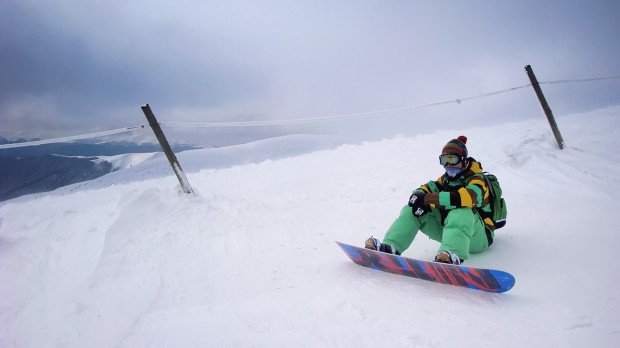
{"points": [[450, 159]]}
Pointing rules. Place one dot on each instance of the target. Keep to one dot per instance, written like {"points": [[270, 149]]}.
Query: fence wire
{"points": [[71, 138], [580, 80], [336, 117], [296, 121]]}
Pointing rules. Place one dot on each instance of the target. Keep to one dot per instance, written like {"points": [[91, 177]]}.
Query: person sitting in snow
{"points": [[454, 210]]}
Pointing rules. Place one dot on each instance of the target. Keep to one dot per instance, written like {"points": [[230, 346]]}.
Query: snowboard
{"points": [[468, 277]]}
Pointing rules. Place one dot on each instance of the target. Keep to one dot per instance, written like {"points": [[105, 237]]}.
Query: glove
{"points": [[416, 202]]}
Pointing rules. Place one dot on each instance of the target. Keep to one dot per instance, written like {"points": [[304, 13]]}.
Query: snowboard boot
{"points": [[448, 257], [374, 244]]}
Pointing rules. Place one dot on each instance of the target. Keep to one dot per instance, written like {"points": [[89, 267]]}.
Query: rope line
{"points": [[581, 80], [495, 93], [296, 120], [371, 113], [70, 138], [336, 117]]}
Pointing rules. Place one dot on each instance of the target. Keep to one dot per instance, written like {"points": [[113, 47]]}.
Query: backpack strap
{"points": [[487, 231], [489, 186]]}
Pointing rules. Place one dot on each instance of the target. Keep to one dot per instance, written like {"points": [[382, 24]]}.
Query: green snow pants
{"points": [[463, 231]]}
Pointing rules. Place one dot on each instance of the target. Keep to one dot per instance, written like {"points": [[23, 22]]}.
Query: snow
{"points": [[128, 160], [250, 260]]}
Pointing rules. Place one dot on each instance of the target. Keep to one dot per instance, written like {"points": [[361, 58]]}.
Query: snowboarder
{"points": [[454, 210]]}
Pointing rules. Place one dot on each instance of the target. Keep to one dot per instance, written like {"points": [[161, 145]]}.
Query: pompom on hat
{"points": [[456, 147]]}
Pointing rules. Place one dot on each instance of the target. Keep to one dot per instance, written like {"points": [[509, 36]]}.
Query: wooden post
{"points": [[174, 163], [545, 106]]}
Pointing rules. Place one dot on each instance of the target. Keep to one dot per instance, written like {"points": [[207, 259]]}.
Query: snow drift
{"points": [[128, 260]]}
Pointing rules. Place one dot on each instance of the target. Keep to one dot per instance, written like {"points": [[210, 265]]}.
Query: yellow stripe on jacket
{"points": [[466, 200]]}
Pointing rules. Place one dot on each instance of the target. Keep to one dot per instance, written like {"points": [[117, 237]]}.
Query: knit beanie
{"points": [[456, 147]]}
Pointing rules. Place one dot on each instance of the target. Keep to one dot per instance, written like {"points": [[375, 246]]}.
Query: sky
{"points": [[70, 67]]}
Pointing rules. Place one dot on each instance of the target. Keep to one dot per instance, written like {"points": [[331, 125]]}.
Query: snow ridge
{"points": [[251, 259]]}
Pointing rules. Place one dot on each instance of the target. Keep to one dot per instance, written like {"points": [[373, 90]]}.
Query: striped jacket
{"points": [[468, 190]]}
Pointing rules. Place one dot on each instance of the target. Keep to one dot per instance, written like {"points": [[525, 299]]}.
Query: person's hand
{"points": [[416, 202]]}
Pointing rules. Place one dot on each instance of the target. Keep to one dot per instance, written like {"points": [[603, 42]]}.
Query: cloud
{"points": [[95, 63]]}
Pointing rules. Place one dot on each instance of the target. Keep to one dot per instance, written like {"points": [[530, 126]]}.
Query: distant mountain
{"points": [[16, 140], [86, 149], [41, 173], [43, 168]]}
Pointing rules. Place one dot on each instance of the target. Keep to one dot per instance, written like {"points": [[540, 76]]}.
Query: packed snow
{"points": [[128, 160], [250, 260]]}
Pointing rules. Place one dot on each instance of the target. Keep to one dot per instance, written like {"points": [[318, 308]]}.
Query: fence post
{"points": [[545, 106], [174, 163]]}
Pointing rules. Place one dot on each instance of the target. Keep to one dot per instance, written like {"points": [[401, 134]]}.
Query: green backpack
{"points": [[498, 204]]}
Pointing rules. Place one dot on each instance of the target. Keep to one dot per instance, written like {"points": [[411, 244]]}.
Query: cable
{"points": [[332, 118], [372, 113], [297, 120], [70, 138], [581, 80]]}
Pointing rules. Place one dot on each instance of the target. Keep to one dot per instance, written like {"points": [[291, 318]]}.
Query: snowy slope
{"points": [[125, 161], [251, 260]]}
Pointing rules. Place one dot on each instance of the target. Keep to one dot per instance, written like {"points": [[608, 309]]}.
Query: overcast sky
{"points": [[75, 66]]}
